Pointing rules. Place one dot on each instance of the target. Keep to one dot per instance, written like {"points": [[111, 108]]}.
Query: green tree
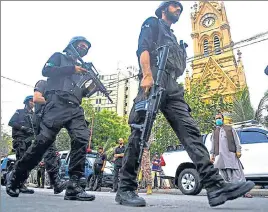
{"points": [[262, 107], [242, 109], [108, 128], [88, 110], [63, 140], [5, 143], [203, 111], [164, 135]]}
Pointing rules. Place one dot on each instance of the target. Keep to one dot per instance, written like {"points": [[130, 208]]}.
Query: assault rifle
{"points": [[151, 105], [91, 74], [32, 126]]}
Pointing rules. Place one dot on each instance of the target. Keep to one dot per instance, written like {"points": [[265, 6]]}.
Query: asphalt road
{"points": [[45, 201]]}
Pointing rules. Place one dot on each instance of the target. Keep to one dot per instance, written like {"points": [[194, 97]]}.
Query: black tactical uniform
{"points": [[50, 157], [22, 134], [62, 109], [155, 33], [96, 179], [117, 165], [41, 175]]}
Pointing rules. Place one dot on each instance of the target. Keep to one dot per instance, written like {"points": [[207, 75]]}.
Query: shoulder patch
{"points": [[49, 65], [18, 111], [151, 21]]}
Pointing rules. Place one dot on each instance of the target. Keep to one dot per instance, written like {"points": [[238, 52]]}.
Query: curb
{"points": [[253, 192]]}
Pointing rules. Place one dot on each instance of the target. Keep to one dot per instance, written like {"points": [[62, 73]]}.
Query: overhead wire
{"points": [[189, 59]]}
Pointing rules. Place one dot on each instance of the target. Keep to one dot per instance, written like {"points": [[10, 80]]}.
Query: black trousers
{"points": [[41, 176], [51, 160], [58, 114], [116, 177], [20, 145], [177, 113], [96, 179], [50, 157]]}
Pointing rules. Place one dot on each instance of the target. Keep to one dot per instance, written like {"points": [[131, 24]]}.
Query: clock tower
{"points": [[214, 60]]}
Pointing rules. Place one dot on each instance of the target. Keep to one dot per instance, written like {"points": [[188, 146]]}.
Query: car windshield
{"points": [[91, 160]]}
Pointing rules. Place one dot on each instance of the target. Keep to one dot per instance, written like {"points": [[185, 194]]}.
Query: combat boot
{"points": [[129, 198], [12, 185], [75, 192], [56, 183], [83, 182], [221, 192], [59, 186], [25, 190]]}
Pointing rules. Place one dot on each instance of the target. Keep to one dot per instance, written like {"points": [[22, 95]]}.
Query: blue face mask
{"points": [[219, 122]]}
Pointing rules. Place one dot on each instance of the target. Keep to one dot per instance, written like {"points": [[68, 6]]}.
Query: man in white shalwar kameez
{"points": [[226, 151]]}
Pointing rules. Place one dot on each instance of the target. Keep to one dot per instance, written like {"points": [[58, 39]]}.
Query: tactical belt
{"points": [[53, 95]]}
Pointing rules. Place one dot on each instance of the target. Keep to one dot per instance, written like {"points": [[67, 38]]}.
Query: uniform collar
{"points": [[166, 25], [28, 110]]}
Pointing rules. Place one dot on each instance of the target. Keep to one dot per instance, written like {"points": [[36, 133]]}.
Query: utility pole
{"points": [[91, 131]]}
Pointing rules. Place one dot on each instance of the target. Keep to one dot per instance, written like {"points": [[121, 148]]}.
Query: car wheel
{"points": [[189, 182], [2, 181]]}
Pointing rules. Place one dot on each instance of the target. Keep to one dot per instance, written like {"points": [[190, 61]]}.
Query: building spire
{"points": [[239, 53]]}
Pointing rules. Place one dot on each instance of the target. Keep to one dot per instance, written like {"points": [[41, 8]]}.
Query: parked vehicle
{"points": [[5, 163], [107, 180], [254, 141], [33, 174]]}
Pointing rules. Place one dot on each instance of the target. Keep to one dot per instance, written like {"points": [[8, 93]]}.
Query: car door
{"points": [[207, 141], [254, 158]]}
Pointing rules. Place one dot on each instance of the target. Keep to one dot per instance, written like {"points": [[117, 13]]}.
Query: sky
{"points": [[32, 31]]}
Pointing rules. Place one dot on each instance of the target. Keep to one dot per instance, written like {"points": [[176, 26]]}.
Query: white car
{"points": [[254, 142]]}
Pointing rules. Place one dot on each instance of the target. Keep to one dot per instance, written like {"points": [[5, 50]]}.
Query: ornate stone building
{"points": [[214, 59]]}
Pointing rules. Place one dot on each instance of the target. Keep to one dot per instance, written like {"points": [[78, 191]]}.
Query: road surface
{"points": [[45, 201]]}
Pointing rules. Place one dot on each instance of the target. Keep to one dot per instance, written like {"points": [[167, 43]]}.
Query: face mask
{"points": [[219, 122], [81, 51]]}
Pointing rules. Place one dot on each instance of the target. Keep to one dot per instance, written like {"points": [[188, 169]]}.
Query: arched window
{"points": [[205, 45], [217, 45]]}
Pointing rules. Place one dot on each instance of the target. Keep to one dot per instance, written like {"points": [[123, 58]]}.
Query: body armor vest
{"points": [[67, 83], [24, 119], [176, 60]]}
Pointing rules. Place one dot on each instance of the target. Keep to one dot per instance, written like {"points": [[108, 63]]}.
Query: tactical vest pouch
{"points": [[141, 106], [176, 60]]}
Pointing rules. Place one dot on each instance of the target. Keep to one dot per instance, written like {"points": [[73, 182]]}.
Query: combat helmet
{"points": [[164, 5]]}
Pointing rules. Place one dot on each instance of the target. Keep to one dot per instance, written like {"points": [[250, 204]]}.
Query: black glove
{"points": [[30, 131]]}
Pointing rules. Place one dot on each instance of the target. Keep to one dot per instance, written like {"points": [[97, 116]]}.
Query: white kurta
{"points": [[227, 162]]}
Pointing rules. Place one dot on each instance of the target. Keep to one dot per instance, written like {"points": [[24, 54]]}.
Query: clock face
{"points": [[208, 22]]}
